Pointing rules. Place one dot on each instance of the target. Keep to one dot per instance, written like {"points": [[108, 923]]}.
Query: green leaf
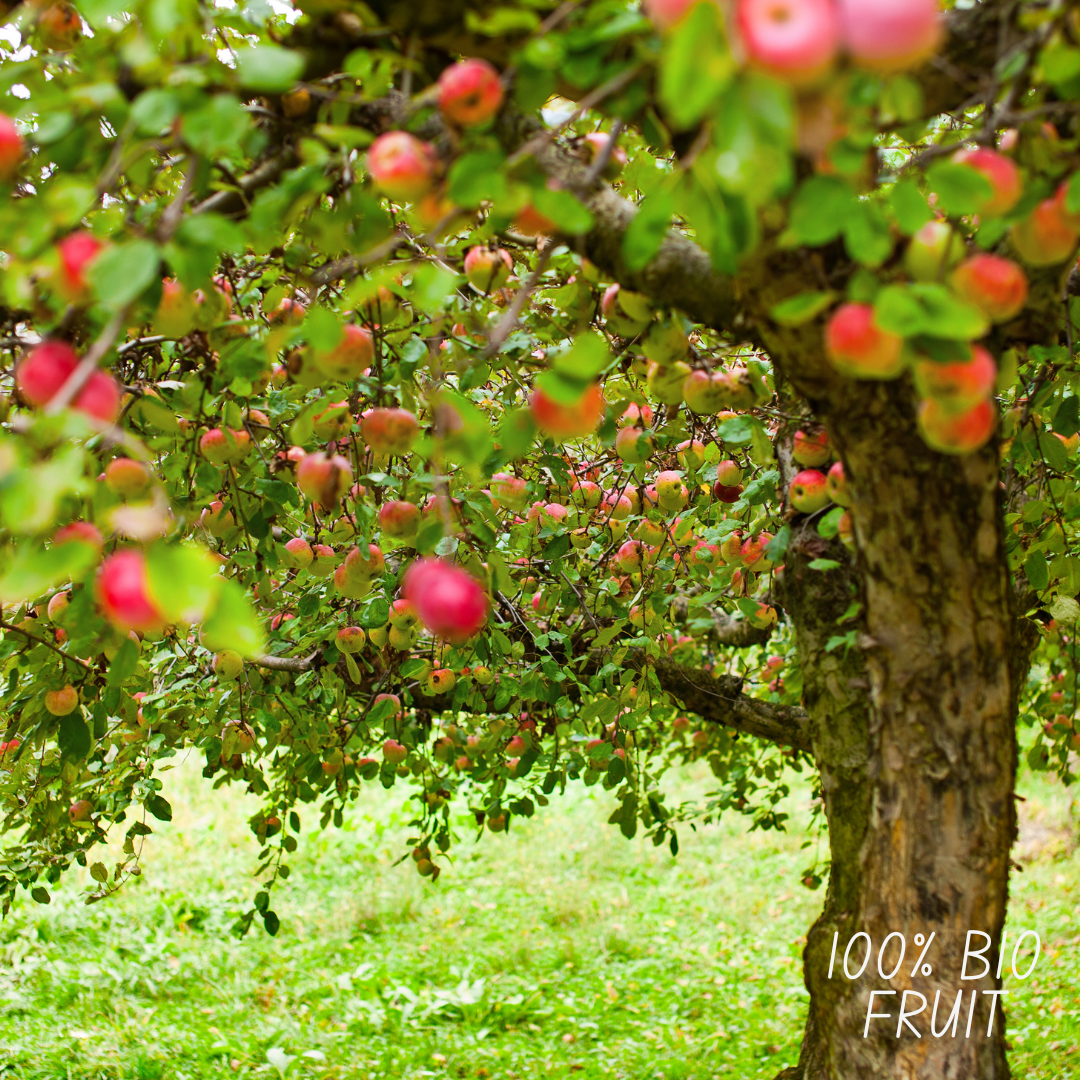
{"points": [[1072, 194], [823, 564], [40, 895], [928, 309], [736, 430], [1067, 417], [778, 545], [269, 69], [866, 234], [569, 215], [73, 737], [159, 807], [154, 110], [960, 189], [910, 206], [271, 922], [1064, 609], [820, 209], [98, 872], [829, 525], [1037, 570], [646, 232], [475, 178], [121, 272], [695, 66], [801, 308], [233, 623], [182, 581], [584, 360], [124, 664], [34, 570]]}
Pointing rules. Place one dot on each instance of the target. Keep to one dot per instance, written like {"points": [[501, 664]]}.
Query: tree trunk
{"points": [[921, 827]]}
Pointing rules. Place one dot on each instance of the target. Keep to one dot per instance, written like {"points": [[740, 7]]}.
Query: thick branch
{"points": [[722, 701]]}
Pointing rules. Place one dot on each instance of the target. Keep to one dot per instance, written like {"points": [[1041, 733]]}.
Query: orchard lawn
{"points": [[558, 950]]}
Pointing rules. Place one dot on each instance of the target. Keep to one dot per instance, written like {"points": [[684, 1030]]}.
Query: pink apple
{"points": [[389, 431], [729, 474], [399, 519], [956, 433], [323, 478], [811, 449], [628, 557], [222, 445], [123, 591], [393, 752], [509, 491], [793, 40], [41, 374], [450, 601], [80, 532], [76, 253], [957, 386], [350, 358], [127, 477], [402, 166], [564, 422], [836, 483], [859, 348], [470, 92], [1049, 234], [933, 251], [298, 553], [891, 35]]}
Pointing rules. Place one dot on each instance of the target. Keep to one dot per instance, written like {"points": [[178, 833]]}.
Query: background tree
{"points": [[446, 393]]}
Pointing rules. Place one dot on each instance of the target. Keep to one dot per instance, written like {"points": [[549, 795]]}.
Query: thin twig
{"points": [[513, 312]]}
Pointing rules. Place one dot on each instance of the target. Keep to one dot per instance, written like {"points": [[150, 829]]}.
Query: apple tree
{"points": [[486, 397]]}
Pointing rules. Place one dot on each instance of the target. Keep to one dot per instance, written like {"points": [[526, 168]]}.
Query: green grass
{"points": [[559, 950]]}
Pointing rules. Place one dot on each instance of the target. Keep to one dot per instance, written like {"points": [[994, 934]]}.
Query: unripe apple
{"points": [[811, 449], [401, 638], [350, 357], [127, 477], [228, 665], [349, 639], [957, 386], [360, 563], [175, 315], [891, 35], [703, 556], [440, 681], [956, 433], [216, 519], [793, 40], [729, 474], [997, 286], [616, 507], [634, 445], [402, 166], [378, 636], [352, 588], [63, 701], [403, 614], [586, 493], [123, 591], [859, 348], [324, 479], [75, 253], [706, 392], [564, 422], [389, 431], [12, 148], [665, 383], [483, 675], [449, 600], [399, 519], [297, 553], [223, 445], [636, 416], [296, 103], [628, 557], [671, 491], [470, 92], [1001, 172], [509, 491], [1049, 234], [808, 492], [80, 811], [836, 484], [237, 738], [58, 604], [764, 617], [393, 752], [488, 270], [933, 251], [333, 423], [690, 454]]}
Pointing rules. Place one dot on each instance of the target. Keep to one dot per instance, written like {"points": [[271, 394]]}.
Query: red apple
{"points": [[639, 415], [470, 92], [360, 564], [811, 450], [402, 166], [997, 286], [565, 422], [956, 433], [793, 40], [76, 253], [389, 431], [1003, 175], [488, 270], [220, 446], [350, 358], [859, 348], [41, 374], [809, 492], [123, 591], [450, 602], [957, 386], [80, 811], [12, 148], [891, 35], [393, 752], [350, 639], [80, 532], [323, 478], [297, 553], [509, 491]]}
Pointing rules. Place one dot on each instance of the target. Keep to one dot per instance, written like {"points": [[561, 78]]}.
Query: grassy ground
{"points": [[558, 950]]}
